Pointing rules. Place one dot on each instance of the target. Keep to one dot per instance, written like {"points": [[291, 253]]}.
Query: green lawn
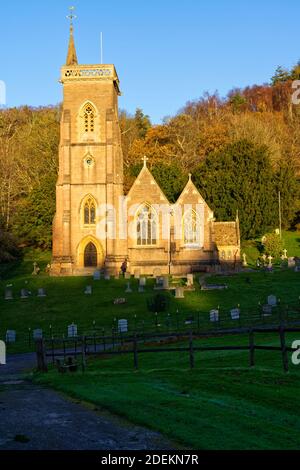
{"points": [[66, 303], [221, 404]]}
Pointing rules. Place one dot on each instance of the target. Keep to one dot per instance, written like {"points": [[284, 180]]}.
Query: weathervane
{"points": [[71, 16]]}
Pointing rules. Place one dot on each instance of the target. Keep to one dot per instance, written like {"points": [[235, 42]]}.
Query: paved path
{"points": [[51, 421]]}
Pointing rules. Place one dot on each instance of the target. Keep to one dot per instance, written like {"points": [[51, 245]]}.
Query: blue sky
{"points": [[166, 51]]}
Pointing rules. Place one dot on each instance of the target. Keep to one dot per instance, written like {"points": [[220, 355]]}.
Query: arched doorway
{"points": [[90, 256]]}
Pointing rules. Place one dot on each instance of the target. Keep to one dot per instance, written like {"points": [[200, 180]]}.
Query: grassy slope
{"points": [[221, 404], [291, 242], [66, 302]]}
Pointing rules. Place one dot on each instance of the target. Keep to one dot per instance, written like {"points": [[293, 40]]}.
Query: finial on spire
{"points": [[72, 56], [145, 159]]}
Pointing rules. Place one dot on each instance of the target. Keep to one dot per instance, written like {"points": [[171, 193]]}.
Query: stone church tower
{"points": [[95, 226], [90, 168]]}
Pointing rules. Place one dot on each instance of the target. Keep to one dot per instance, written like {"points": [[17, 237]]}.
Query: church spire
{"points": [[72, 56]]}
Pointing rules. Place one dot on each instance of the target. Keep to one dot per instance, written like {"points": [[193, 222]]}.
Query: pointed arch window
{"points": [[89, 118], [191, 228], [89, 211], [146, 226]]}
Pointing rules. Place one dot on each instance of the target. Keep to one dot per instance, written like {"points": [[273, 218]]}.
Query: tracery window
{"points": [[146, 226], [89, 118], [191, 228], [89, 211]]}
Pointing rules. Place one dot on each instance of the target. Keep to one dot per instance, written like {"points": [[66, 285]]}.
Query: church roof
{"points": [[142, 185], [226, 233]]}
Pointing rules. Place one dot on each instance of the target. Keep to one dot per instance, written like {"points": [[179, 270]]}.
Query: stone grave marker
{"points": [[235, 313], [297, 269], [2, 353], [179, 293], [97, 276], [128, 288], [127, 276], [190, 280], [165, 282], [11, 336], [142, 281], [37, 334], [8, 294], [214, 315], [107, 276], [291, 262], [272, 300], [41, 293], [24, 294], [88, 290], [36, 269], [123, 326], [141, 289], [137, 273], [72, 331]]}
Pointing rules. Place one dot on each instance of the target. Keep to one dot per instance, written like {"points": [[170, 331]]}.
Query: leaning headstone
{"points": [[272, 300], [8, 294], [128, 288], [11, 336], [97, 276], [72, 331], [88, 290], [179, 293], [190, 280], [214, 315], [37, 334], [291, 262], [42, 293], [235, 313], [24, 294], [123, 326]]}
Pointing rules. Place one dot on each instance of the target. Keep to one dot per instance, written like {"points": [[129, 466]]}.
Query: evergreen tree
{"points": [[240, 177], [281, 76]]}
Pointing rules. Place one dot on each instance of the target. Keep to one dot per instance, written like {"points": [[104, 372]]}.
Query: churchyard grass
{"points": [[220, 404], [66, 302]]}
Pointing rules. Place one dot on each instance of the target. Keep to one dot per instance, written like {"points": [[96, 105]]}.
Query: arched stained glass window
{"points": [[191, 228], [89, 212], [147, 226]]}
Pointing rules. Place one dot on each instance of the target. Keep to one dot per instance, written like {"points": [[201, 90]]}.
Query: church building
{"points": [[96, 226]]}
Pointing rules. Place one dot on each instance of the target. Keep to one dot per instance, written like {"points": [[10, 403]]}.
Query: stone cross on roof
{"points": [[145, 159]]}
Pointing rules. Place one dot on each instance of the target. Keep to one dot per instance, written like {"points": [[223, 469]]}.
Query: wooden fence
{"points": [[62, 348]]}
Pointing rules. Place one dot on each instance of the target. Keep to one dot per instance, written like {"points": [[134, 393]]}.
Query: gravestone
{"points": [[137, 273], [291, 262], [179, 293], [88, 290], [189, 320], [267, 310], [117, 276], [36, 269], [214, 315], [190, 280], [166, 282], [127, 276], [8, 293], [142, 282], [120, 301], [72, 331], [235, 313], [97, 276], [128, 288], [24, 294], [37, 334], [41, 293], [123, 326], [106, 276], [272, 300], [297, 269], [11, 336], [2, 353], [141, 289]]}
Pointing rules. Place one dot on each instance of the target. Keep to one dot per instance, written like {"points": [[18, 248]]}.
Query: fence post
{"points": [[135, 353], [285, 360], [40, 355], [251, 348], [192, 360], [83, 353]]}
